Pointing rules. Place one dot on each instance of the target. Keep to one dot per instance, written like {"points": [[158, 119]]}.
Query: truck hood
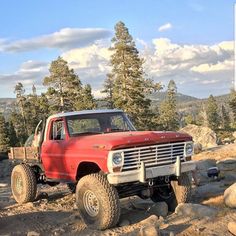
{"points": [[118, 140]]}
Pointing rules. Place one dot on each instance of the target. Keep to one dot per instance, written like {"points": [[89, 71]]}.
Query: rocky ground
{"points": [[54, 213]]}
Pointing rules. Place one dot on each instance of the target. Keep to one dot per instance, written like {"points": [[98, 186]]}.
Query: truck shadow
{"points": [[45, 223]]}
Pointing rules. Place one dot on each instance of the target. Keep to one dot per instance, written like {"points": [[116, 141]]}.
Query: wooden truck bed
{"points": [[24, 153]]}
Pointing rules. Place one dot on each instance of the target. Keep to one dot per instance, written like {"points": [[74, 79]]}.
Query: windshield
{"points": [[98, 123]]}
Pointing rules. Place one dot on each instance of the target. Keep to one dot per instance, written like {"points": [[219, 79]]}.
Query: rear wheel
{"points": [[179, 191], [98, 202], [23, 183]]}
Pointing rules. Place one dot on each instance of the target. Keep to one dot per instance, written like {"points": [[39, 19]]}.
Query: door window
{"points": [[58, 130]]}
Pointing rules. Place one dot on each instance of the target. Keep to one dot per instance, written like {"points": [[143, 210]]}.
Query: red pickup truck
{"points": [[102, 158]]}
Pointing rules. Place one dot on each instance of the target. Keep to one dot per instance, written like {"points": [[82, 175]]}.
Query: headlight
{"points": [[189, 149], [117, 158]]}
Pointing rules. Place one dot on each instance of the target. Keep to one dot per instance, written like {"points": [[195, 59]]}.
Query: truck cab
{"points": [[102, 158]]}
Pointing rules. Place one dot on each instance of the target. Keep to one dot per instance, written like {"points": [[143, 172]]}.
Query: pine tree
{"points": [[108, 89], [4, 140], [168, 109], [87, 101], [201, 116], [17, 120], [129, 88], [232, 103], [189, 119], [11, 133], [212, 113], [225, 120], [20, 100], [64, 86], [34, 90]]}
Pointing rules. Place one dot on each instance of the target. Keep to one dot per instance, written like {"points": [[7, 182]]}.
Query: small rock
{"points": [[230, 196], [33, 233], [195, 210], [152, 220], [75, 207], [167, 233], [234, 134], [159, 209], [30, 204], [232, 227], [124, 222], [148, 231], [58, 231], [197, 148], [201, 229]]}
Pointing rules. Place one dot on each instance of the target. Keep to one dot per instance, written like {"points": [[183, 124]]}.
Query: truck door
{"points": [[53, 151]]}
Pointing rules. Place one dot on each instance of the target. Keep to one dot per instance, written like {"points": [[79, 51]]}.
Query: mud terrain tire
{"points": [[23, 183], [180, 192], [97, 201]]}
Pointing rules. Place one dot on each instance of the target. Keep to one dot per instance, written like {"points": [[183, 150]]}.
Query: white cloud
{"points": [[197, 69], [165, 27], [91, 63], [66, 38]]}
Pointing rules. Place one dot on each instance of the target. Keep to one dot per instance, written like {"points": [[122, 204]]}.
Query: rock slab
{"points": [[232, 227], [195, 210], [230, 196], [202, 135]]}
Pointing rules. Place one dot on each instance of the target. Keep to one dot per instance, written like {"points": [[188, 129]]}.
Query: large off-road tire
{"points": [[23, 183], [97, 201], [178, 192]]}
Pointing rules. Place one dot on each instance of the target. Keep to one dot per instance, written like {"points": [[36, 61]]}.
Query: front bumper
{"points": [[143, 174]]}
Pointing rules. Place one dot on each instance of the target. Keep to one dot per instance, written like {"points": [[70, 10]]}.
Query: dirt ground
{"points": [[55, 212]]}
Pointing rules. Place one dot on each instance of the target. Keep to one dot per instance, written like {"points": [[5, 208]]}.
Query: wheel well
{"points": [[86, 168]]}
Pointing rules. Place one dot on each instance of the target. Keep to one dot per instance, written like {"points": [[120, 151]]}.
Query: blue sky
{"points": [[168, 33]]}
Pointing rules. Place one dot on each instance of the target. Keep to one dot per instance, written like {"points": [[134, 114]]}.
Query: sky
{"points": [[189, 41]]}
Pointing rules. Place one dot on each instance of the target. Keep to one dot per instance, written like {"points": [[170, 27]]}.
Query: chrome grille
{"points": [[155, 155]]}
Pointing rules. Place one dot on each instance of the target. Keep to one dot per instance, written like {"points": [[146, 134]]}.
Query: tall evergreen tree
{"points": [[64, 86], [17, 120], [232, 103], [225, 119], [20, 99], [4, 140], [129, 86], [168, 109], [34, 90], [11, 133], [87, 101], [212, 113], [108, 89]]}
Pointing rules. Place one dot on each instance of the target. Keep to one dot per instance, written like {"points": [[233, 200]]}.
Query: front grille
{"points": [[155, 155]]}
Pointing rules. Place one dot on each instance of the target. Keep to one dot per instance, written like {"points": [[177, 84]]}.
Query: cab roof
{"points": [[84, 112]]}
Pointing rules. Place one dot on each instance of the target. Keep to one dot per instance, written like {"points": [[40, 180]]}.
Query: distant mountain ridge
{"points": [[160, 96], [185, 102]]}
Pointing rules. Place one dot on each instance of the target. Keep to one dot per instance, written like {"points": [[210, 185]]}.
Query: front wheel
{"points": [[23, 183], [179, 191], [98, 202]]}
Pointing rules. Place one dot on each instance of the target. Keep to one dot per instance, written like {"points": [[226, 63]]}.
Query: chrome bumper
{"points": [[143, 174]]}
